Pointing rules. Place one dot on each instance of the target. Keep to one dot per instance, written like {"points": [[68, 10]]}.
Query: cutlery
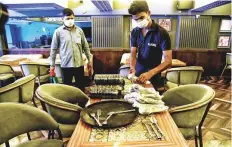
{"points": [[98, 114], [154, 120], [118, 112], [105, 121], [155, 131], [94, 116], [148, 129]]}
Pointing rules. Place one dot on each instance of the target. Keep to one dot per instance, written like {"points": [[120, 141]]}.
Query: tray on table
{"points": [[117, 120]]}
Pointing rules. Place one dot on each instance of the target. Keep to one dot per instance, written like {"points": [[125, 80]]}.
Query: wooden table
{"points": [[126, 59], [177, 63], [173, 137]]}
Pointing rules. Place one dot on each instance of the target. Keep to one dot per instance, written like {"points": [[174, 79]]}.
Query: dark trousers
{"points": [[157, 81], [77, 73]]}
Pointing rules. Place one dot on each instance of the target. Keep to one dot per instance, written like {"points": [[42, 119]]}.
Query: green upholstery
{"points": [[183, 75], [42, 143], [6, 72], [228, 63], [64, 103], [40, 70], [17, 119], [188, 106], [22, 90]]}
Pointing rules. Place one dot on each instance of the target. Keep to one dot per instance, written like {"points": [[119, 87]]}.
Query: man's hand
{"points": [[143, 78], [132, 71], [52, 71], [90, 68]]}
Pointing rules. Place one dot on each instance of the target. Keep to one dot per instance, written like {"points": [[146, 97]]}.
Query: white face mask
{"points": [[143, 24], [69, 23]]}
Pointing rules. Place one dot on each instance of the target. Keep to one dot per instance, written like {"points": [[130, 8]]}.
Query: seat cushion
{"points": [[67, 129], [6, 76], [43, 79], [42, 143], [188, 133], [171, 85]]}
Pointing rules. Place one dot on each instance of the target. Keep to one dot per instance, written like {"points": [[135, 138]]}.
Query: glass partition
{"points": [[24, 33]]}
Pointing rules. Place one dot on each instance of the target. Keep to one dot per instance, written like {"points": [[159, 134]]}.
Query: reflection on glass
{"points": [[25, 33]]}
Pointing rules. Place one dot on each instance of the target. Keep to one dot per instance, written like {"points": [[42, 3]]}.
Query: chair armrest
{"points": [[58, 103]]}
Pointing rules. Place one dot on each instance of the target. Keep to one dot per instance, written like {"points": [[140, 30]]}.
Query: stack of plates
{"points": [[108, 79], [105, 91]]}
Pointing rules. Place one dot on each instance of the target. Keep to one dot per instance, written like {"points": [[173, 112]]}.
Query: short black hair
{"points": [[67, 12], [138, 6]]}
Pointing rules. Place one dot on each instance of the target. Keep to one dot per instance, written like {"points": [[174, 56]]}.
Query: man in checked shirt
{"points": [[71, 42]]}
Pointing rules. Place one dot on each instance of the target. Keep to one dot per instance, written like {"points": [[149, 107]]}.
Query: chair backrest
{"points": [[17, 119], [228, 58], [190, 103], [35, 68], [184, 75], [22, 90], [62, 102], [6, 68]]}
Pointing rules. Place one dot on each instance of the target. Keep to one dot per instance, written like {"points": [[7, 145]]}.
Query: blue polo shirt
{"points": [[150, 48]]}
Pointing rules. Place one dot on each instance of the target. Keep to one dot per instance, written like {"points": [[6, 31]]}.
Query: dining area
{"points": [[86, 73], [119, 111]]}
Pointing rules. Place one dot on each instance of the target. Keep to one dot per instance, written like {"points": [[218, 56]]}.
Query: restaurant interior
{"points": [[191, 109]]}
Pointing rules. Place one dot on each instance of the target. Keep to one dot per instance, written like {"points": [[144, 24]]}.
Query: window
{"points": [[26, 33]]}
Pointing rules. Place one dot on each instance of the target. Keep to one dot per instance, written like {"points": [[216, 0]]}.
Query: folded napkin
{"points": [[148, 100]]}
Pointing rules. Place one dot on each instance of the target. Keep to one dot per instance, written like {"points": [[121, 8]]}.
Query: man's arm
{"points": [[167, 63], [85, 46], [54, 48], [133, 59]]}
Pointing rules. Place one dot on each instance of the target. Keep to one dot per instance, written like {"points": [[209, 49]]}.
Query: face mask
{"points": [[69, 23], [143, 24]]}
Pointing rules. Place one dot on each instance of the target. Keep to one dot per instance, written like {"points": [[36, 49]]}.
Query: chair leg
{"points": [[223, 71], [28, 136], [49, 134], [200, 136], [196, 137], [7, 144], [33, 100]]}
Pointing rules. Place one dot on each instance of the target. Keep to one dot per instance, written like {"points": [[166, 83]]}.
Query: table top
{"points": [[126, 56], [173, 138]]}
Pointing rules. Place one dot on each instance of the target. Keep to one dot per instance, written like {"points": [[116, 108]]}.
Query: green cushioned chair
{"points": [[63, 103], [228, 63], [17, 119], [21, 91], [182, 76], [40, 70], [6, 73], [189, 105]]}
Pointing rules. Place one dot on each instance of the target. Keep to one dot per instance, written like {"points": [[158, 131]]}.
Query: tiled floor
{"points": [[216, 128]]}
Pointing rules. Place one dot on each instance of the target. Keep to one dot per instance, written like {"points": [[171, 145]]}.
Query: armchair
{"points": [[21, 91], [182, 76], [6, 73], [40, 70], [63, 103], [228, 63], [17, 119], [189, 105]]}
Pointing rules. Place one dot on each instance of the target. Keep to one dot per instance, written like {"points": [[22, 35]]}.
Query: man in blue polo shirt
{"points": [[149, 42]]}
